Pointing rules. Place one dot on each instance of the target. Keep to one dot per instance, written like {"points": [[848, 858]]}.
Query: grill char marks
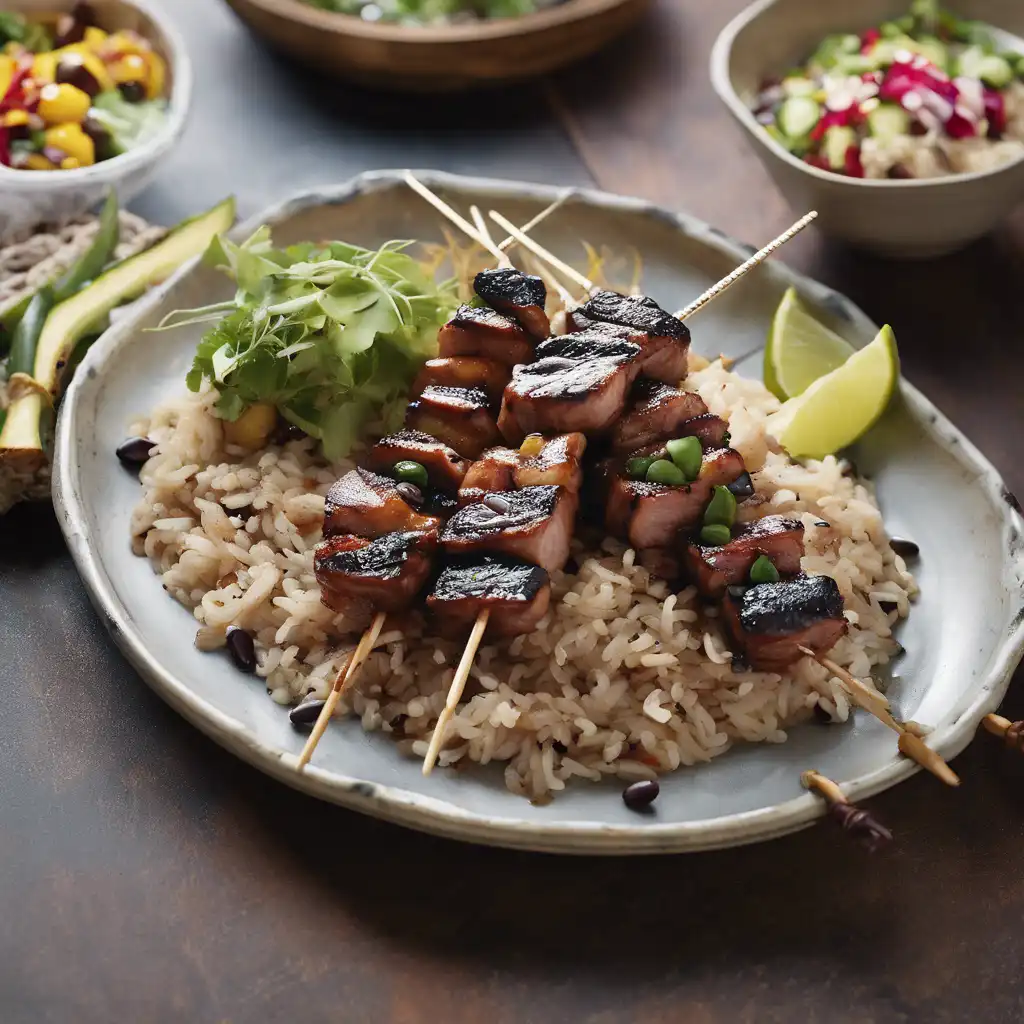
{"points": [[486, 334], [488, 375], [584, 392], [387, 572], [534, 523], [664, 338], [715, 568], [445, 468], [657, 413], [459, 417], [517, 295], [768, 622], [367, 504], [516, 592]]}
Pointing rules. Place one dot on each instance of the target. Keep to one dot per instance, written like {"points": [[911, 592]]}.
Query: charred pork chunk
{"points": [[495, 470], [369, 505], [516, 593], [777, 538], [518, 295], [653, 515], [445, 467], [712, 430], [387, 572], [665, 352], [534, 524], [564, 393], [557, 461], [487, 334], [769, 621], [459, 417], [656, 412], [463, 372]]}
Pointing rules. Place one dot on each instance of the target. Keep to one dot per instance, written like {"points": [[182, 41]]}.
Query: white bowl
{"points": [[29, 198], [910, 218]]}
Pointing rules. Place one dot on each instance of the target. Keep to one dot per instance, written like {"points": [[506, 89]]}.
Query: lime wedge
{"points": [[841, 406], [799, 349]]}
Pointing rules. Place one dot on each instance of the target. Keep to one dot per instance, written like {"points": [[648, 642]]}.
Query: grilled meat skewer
{"points": [[517, 295], [769, 622], [445, 467], [486, 334]]}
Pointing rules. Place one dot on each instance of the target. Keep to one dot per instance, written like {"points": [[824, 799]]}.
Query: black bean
{"points": [[823, 523], [640, 795], [559, 748], [72, 70], [572, 566], [410, 493], [496, 503], [241, 648], [742, 487], [285, 432], [736, 590], [135, 451], [898, 172], [904, 548], [304, 715], [132, 92]]}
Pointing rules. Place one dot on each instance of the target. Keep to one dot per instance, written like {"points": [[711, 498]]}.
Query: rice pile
{"points": [[624, 677]]}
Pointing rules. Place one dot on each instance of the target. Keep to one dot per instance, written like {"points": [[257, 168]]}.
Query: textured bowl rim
{"points": [[336, 23], [721, 80], [430, 814], [42, 182]]}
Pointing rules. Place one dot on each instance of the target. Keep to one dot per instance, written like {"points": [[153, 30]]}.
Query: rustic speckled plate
{"points": [[963, 639]]}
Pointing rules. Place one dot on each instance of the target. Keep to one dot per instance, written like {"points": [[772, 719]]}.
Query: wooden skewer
{"points": [[909, 742], [861, 824], [759, 257], [702, 300], [346, 676], [538, 250], [341, 683], [1012, 732], [455, 691]]}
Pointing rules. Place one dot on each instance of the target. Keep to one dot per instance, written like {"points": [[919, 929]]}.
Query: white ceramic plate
{"points": [[963, 639]]}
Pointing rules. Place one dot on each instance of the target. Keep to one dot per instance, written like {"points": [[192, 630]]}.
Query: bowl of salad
{"points": [[92, 98], [437, 45], [900, 121]]}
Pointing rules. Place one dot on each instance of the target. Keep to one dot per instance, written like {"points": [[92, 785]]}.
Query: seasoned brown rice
{"points": [[625, 676]]}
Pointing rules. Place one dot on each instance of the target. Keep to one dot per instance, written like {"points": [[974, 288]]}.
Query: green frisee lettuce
{"points": [[331, 334]]}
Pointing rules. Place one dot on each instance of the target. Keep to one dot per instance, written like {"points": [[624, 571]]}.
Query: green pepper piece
{"points": [[763, 570], [636, 467], [662, 471], [715, 535], [686, 453], [721, 509], [90, 264], [411, 472]]}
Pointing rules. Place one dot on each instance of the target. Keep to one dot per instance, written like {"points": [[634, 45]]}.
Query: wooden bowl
{"points": [[438, 58]]}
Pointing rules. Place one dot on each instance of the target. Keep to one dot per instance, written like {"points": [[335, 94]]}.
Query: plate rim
{"points": [[440, 817]]}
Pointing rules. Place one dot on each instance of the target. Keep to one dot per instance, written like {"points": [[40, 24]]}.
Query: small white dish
{"points": [[905, 218], [963, 639], [29, 198]]}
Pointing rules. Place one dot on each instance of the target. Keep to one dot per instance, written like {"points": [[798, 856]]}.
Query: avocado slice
{"points": [[73, 319]]}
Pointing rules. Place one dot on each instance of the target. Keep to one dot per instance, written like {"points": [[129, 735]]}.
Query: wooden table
{"points": [[146, 876]]}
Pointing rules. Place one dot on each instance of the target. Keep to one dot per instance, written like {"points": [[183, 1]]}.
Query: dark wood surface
{"points": [[145, 875]]}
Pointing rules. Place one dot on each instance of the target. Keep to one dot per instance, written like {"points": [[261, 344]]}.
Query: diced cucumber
{"points": [[798, 147], [887, 121], [833, 47], [891, 30], [798, 86], [797, 116], [968, 64], [837, 140], [996, 72], [854, 64], [934, 50]]}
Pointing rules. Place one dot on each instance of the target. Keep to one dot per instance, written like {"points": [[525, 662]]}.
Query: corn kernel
{"points": [[7, 68], [253, 427], [532, 445], [38, 162], [15, 118], [129, 68], [44, 67], [72, 141], [156, 80], [60, 104], [95, 38], [69, 163]]}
